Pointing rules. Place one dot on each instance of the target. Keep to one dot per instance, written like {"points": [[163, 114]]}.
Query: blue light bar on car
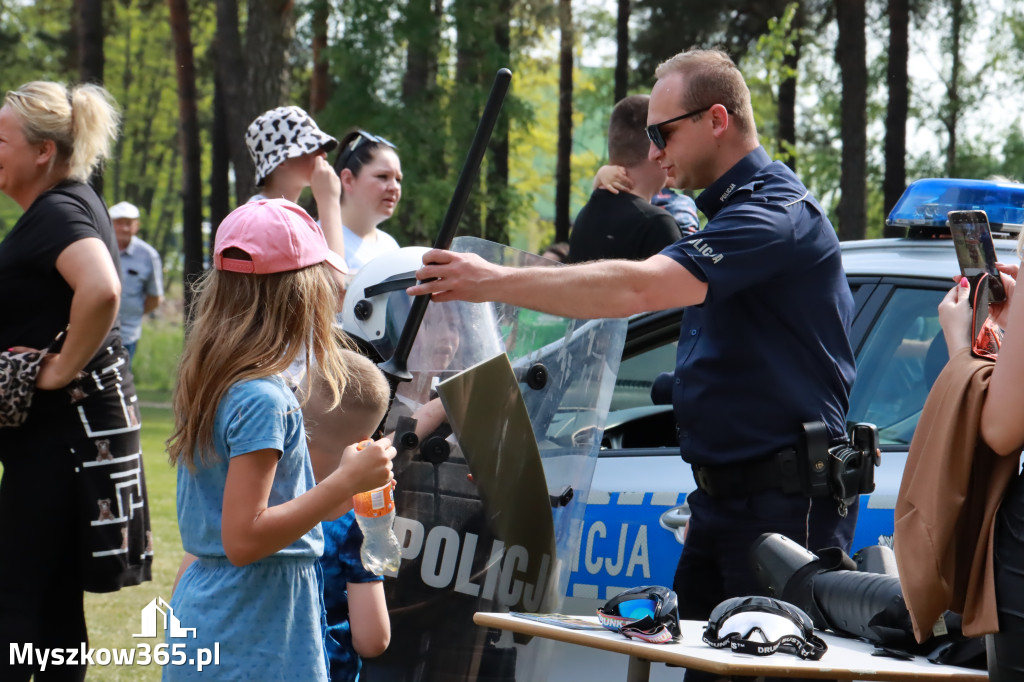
{"points": [[926, 202]]}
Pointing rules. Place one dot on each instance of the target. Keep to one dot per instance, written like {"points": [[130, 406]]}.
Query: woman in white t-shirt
{"points": [[371, 186]]}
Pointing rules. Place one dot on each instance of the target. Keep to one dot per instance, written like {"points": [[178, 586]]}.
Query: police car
{"points": [[633, 527]]}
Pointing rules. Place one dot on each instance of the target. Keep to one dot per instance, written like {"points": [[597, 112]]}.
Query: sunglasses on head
{"points": [[361, 136], [655, 135]]}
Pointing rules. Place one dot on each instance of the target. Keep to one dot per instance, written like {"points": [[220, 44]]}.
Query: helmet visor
{"points": [[452, 335]]}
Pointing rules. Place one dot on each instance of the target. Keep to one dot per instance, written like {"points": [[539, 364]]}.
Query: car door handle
{"points": [[675, 519]]}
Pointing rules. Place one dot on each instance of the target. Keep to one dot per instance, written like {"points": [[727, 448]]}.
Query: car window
{"points": [[897, 364], [637, 374], [634, 421]]}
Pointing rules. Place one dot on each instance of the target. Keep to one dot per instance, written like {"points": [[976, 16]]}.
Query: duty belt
{"points": [[778, 472]]}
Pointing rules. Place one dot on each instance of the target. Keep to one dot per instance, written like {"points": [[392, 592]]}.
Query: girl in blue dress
{"points": [[249, 509]]}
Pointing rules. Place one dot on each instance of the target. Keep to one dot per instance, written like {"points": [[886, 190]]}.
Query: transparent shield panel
{"points": [[898, 363], [459, 554]]}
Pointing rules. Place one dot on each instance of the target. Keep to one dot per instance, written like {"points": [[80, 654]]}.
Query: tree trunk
{"points": [[496, 223], [421, 57], [167, 208], [220, 162], [90, 41], [188, 140], [419, 97], [851, 55], [953, 88], [91, 58], [622, 51], [468, 100], [116, 164], [563, 167], [787, 96], [269, 32], [320, 79], [895, 181], [228, 66]]}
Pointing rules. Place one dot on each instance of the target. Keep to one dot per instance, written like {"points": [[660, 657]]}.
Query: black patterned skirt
{"points": [[79, 457]]}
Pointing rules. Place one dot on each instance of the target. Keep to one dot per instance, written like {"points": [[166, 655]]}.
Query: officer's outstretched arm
{"points": [[606, 288]]}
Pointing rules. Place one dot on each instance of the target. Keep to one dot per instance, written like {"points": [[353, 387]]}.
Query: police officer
{"points": [[763, 346]]}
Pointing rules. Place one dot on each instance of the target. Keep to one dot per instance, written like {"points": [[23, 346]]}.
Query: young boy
{"points": [[357, 615]]}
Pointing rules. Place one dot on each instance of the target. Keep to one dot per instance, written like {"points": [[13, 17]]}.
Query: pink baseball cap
{"points": [[278, 235]]}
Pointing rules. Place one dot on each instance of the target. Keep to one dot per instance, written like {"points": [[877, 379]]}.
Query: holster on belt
{"points": [[815, 468]]}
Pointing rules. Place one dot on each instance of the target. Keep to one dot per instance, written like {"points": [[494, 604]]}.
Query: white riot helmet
{"points": [[454, 335], [376, 305]]}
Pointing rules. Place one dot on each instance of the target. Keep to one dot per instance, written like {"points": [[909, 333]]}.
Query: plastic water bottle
{"points": [[375, 514]]}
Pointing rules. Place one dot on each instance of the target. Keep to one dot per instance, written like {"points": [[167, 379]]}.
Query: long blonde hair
{"points": [[248, 327], [82, 122]]}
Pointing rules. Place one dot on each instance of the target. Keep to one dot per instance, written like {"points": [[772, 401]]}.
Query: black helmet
{"points": [[762, 626], [649, 613]]}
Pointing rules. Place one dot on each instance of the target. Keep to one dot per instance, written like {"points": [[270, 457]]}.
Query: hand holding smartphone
{"points": [[975, 251]]}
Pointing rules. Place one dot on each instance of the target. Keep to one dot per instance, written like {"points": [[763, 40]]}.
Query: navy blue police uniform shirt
{"points": [[769, 348]]}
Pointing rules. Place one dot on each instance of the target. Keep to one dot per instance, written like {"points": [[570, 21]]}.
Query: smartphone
{"points": [[975, 251]]}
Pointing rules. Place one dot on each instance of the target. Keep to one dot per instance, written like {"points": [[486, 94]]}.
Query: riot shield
{"points": [[490, 503]]}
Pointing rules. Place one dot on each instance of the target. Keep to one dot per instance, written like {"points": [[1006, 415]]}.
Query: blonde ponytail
{"points": [[82, 122]]}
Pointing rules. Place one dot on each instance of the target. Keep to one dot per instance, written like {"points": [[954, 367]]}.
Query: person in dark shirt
{"points": [[763, 346], [625, 224], [74, 516]]}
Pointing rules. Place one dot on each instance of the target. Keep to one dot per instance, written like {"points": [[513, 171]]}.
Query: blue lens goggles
{"points": [[638, 608], [647, 613]]}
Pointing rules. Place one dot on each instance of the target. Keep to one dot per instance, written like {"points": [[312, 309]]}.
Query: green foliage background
{"points": [[368, 45]]}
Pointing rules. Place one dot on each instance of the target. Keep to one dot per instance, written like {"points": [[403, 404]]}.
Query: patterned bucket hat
{"points": [[283, 133]]}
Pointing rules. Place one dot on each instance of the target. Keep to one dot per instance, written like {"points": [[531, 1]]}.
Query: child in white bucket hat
{"points": [[281, 134], [290, 153]]}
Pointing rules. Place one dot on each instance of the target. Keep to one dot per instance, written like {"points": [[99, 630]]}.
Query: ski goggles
{"points": [[648, 613], [760, 626]]}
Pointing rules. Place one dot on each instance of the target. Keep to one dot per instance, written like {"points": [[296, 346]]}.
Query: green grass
{"points": [[156, 357], [113, 618]]}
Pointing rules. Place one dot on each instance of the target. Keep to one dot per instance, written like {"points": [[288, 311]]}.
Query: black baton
{"points": [[396, 366]]}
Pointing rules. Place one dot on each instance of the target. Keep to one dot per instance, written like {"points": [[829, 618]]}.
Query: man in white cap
{"points": [[142, 287]]}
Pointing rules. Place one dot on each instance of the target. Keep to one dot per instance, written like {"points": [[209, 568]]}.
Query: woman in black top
{"points": [[73, 513]]}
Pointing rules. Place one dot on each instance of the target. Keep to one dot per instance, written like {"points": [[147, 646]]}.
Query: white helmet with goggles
{"points": [[454, 334], [376, 305]]}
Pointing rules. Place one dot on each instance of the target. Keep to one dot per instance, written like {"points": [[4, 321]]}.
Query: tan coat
{"points": [[952, 486]]}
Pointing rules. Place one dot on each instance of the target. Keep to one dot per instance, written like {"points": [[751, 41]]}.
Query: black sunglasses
{"points": [[345, 155], [654, 131]]}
